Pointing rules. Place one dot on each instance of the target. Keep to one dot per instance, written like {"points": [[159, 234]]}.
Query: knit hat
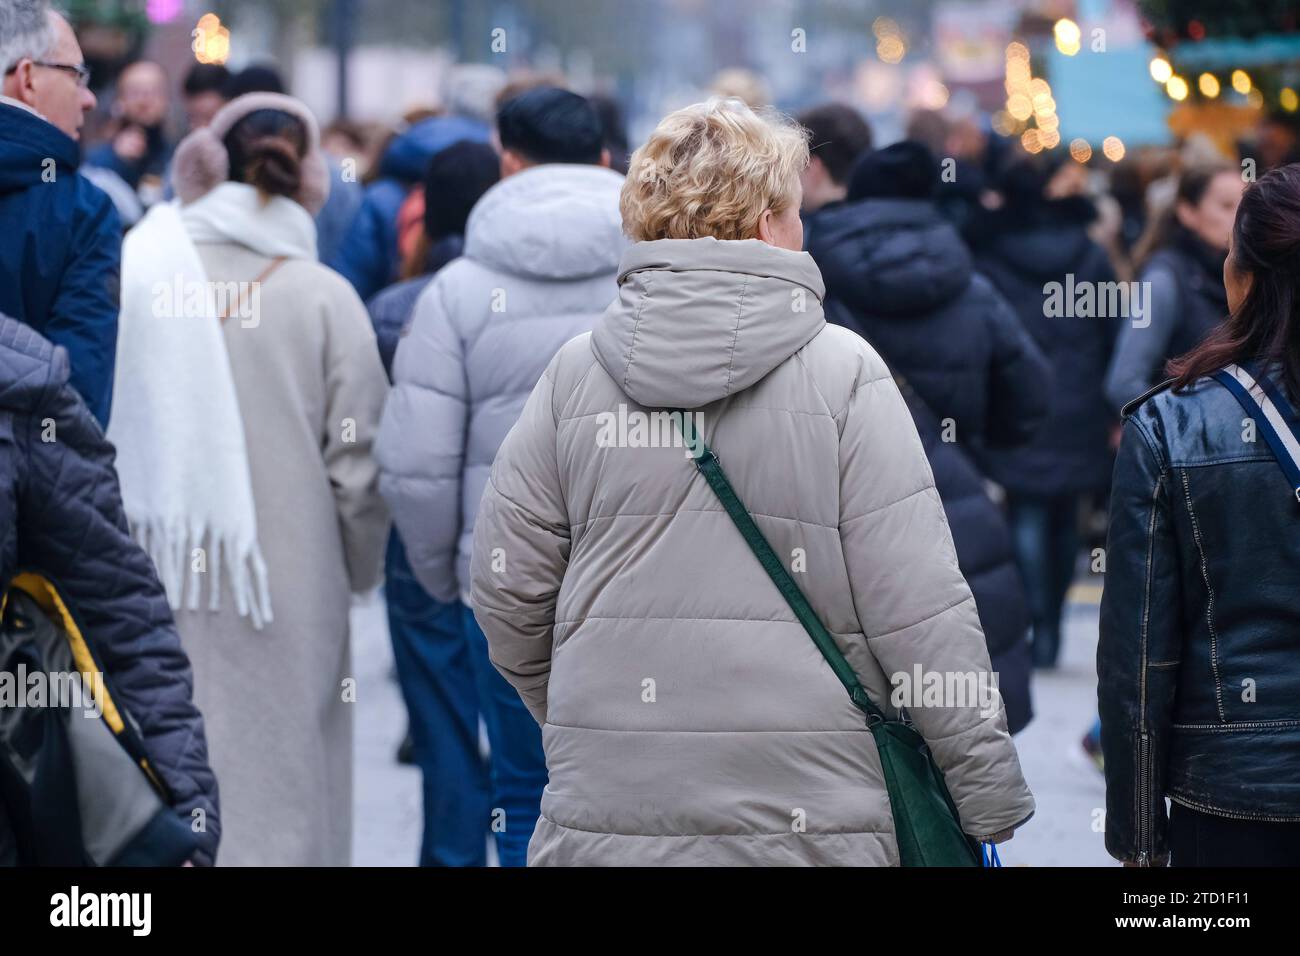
{"points": [[202, 162], [905, 170]]}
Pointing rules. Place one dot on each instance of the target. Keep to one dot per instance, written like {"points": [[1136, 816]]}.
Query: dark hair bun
{"points": [[266, 149], [274, 166]]}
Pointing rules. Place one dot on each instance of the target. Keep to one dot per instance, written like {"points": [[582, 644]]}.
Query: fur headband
{"points": [[202, 163]]}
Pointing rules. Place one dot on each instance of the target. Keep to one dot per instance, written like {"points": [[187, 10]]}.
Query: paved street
{"points": [[1067, 787]]}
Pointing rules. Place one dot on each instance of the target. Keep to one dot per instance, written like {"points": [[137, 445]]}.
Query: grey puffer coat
{"points": [[687, 717], [541, 253]]}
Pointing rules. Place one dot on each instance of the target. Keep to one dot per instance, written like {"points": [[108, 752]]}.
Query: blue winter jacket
{"points": [[60, 251], [61, 515], [368, 256]]}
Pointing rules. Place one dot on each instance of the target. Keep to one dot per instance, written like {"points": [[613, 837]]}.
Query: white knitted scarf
{"points": [[182, 457]]}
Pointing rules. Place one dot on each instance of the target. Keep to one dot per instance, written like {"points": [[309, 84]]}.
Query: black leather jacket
{"points": [[1199, 661]]}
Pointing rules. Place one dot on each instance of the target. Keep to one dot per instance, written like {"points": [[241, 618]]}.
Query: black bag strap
{"points": [[711, 468]]}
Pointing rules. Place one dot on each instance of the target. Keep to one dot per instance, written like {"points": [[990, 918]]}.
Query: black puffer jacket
{"points": [[1198, 666], [61, 514], [897, 273], [1022, 249]]}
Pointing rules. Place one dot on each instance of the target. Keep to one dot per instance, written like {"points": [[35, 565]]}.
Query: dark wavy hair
{"points": [[1265, 328]]}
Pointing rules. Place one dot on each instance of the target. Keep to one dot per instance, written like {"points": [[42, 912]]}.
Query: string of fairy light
{"points": [[1030, 109], [1209, 85]]}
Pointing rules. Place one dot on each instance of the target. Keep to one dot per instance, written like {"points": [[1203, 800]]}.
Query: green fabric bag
{"points": [[925, 819]]}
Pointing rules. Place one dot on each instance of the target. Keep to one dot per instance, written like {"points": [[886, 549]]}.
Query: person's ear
{"points": [[20, 81], [1186, 214], [511, 163], [765, 230]]}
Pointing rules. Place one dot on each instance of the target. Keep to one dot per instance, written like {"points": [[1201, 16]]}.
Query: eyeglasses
{"points": [[79, 70]]}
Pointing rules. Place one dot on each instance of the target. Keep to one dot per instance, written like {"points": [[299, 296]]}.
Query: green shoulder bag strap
{"points": [[926, 824]]}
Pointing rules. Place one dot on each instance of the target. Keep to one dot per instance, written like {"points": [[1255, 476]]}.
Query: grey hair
{"points": [[25, 31], [471, 90]]}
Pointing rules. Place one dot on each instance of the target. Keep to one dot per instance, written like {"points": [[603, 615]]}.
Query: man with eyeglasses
{"points": [[60, 237]]}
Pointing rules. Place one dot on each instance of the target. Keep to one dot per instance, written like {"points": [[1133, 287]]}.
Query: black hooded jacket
{"points": [[897, 273], [1030, 250]]}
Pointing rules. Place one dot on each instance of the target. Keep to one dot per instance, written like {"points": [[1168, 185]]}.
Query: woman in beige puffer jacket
{"points": [[687, 716]]}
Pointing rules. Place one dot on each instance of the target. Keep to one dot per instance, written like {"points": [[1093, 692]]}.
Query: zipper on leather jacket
{"points": [[1144, 800]]}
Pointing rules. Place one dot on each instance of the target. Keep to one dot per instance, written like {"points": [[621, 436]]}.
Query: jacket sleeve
{"points": [[521, 551], [362, 256], [83, 316], [72, 527], [421, 445], [914, 605], [355, 388], [1020, 380], [1140, 350], [1139, 649]]}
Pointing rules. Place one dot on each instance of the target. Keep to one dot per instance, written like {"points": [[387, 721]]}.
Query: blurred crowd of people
{"points": [[429, 320]]}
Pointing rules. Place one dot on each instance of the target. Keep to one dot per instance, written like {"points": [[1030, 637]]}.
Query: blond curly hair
{"points": [[711, 169]]}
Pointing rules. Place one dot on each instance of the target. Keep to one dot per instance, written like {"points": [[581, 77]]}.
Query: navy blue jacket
{"points": [[60, 251], [61, 514], [1198, 665], [368, 256], [897, 273], [1022, 250]]}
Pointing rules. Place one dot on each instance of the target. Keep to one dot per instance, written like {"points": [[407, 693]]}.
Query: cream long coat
{"points": [[310, 387]]}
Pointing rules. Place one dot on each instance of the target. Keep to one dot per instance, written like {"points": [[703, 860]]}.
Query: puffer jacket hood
{"points": [[667, 342], [27, 143], [554, 221], [890, 256]]}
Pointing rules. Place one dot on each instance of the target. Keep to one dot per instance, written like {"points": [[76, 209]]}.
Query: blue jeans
{"points": [[447, 682], [518, 766], [1045, 532], [436, 675]]}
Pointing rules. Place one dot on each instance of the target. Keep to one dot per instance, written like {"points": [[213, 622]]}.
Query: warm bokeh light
{"points": [[935, 96], [1176, 88], [1003, 123], [1080, 151], [890, 49], [1208, 84], [1018, 75], [1031, 140], [1288, 99], [885, 27], [1068, 35], [211, 40], [1161, 71], [1017, 51], [1019, 106], [1241, 81], [1112, 147], [1050, 139]]}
